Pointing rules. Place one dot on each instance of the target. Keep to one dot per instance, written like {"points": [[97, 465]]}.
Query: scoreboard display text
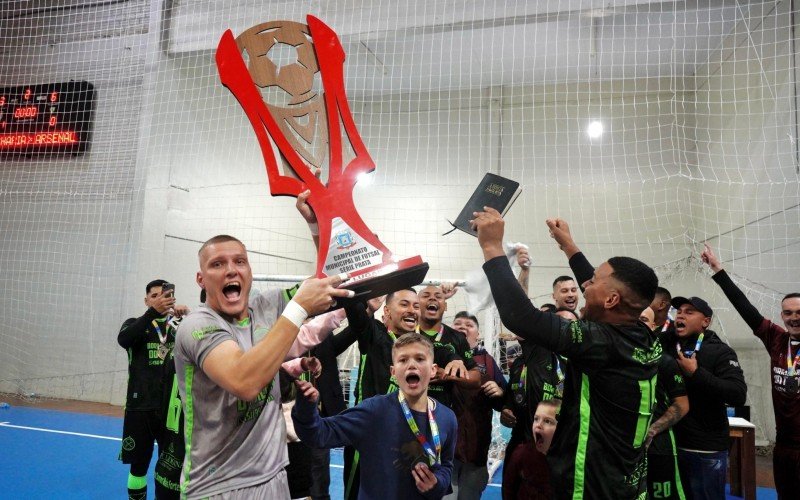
{"points": [[51, 118]]}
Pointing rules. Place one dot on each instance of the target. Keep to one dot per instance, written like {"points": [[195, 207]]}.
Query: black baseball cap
{"points": [[698, 303]]}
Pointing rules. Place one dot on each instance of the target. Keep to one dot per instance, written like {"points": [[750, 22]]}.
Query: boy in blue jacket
{"points": [[406, 439]]}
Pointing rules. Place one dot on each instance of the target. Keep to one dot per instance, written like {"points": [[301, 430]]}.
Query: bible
{"points": [[493, 191]]}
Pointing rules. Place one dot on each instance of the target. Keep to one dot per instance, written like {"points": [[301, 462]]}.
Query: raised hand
{"points": [[164, 303], [559, 231], [448, 289], [490, 227], [708, 257], [523, 258], [302, 203], [318, 295]]}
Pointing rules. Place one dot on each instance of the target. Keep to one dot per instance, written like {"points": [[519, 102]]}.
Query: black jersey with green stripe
{"points": [[598, 448], [145, 367], [670, 386], [375, 345], [455, 343], [532, 378]]}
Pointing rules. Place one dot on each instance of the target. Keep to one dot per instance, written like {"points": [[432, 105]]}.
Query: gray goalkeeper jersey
{"points": [[231, 443]]}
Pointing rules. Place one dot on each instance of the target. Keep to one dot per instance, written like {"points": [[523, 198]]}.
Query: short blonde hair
{"points": [[412, 338]]}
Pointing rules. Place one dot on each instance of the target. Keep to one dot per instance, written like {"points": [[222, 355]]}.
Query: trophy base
{"points": [[379, 280]]}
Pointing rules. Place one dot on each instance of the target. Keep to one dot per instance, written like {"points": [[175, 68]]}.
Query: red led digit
{"points": [[52, 120], [27, 94], [53, 96], [2, 100], [26, 112]]}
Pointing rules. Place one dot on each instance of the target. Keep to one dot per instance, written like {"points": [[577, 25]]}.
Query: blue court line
{"points": [[49, 453]]}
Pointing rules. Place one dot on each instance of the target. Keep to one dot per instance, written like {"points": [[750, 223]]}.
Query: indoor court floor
{"points": [[49, 453]]}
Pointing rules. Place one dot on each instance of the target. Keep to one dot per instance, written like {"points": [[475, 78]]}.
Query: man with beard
{"points": [[598, 450], [714, 381], [565, 293], [783, 345], [148, 340], [432, 307]]}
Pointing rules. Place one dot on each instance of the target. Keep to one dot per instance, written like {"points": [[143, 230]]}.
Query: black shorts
{"points": [[140, 430], [663, 479]]}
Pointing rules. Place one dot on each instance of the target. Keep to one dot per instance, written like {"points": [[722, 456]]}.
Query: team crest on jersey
{"points": [[345, 240]]}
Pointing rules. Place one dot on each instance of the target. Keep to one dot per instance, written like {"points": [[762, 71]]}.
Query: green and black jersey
{"points": [[375, 344], [533, 377], [447, 339], [145, 366], [598, 448], [670, 386]]}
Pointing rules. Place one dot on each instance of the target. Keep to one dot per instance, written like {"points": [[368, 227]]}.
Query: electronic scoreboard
{"points": [[49, 119]]}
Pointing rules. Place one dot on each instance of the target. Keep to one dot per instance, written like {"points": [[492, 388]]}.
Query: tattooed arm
{"points": [[676, 411]]}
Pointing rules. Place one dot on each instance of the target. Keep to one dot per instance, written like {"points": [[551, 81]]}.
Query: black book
{"points": [[493, 191]]}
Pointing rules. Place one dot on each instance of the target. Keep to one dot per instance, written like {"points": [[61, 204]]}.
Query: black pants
{"points": [[786, 469]]}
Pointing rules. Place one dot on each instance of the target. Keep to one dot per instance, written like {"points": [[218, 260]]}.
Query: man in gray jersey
{"points": [[227, 355]]}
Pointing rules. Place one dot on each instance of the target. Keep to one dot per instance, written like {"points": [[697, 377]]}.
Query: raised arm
{"points": [[524, 262], [746, 310], [580, 265], [315, 331], [246, 373], [343, 429], [516, 310], [133, 330]]}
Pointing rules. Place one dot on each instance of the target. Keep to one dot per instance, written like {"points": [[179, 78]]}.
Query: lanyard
{"points": [[434, 457], [791, 365], [559, 372], [161, 337], [697, 345], [523, 378]]}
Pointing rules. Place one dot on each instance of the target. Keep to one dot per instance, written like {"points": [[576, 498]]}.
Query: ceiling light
{"points": [[595, 129]]}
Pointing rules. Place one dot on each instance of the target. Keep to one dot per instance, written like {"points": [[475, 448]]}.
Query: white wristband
{"points": [[295, 313], [314, 227]]}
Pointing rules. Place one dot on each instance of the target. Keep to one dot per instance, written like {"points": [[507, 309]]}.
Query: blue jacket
{"points": [[388, 449]]}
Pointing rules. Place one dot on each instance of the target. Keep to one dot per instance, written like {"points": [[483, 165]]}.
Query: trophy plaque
{"points": [[298, 128]]}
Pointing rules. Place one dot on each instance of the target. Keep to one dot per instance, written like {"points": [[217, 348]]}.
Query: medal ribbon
{"points": [[161, 337], [696, 346], [434, 457], [523, 379], [791, 365]]}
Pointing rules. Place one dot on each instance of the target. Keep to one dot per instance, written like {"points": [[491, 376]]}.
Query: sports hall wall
{"points": [[174, 161]]}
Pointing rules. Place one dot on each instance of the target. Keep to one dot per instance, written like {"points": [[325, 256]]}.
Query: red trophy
{"points": [[305, 127]]}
